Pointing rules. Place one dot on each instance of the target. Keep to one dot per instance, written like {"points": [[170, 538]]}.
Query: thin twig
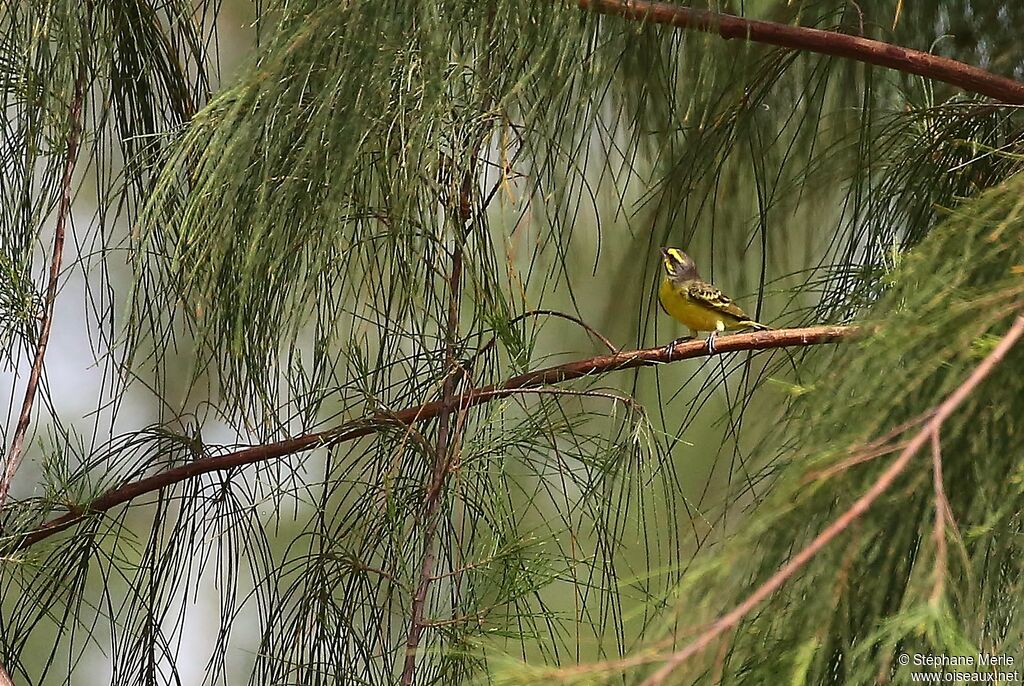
{"points": [[965, 76], [626, 400], [859, 507], [447, 436], [883, 445], [550, 313], [359, 428], [438, 479], [15, 454]]}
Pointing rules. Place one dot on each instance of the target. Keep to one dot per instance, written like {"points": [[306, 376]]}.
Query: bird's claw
{"points": [[671, 347]]}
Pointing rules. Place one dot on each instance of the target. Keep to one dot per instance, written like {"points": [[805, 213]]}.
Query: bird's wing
{"points": [[708, 295]]}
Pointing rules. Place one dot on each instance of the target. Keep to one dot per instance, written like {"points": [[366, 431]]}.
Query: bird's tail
{"points": [[751, 324]]}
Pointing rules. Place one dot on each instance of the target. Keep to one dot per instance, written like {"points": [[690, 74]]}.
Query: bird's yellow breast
{"points": [[694, 315]]}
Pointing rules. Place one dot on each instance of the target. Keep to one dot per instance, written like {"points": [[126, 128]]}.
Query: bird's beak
{"points": [[666, 260]]}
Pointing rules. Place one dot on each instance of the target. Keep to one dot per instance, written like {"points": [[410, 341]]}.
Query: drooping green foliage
{"points": [[135, 79], [885, 586], [292, 239], [329, 173], [881, 589]]}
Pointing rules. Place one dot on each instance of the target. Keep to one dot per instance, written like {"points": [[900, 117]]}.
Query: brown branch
{"points": [[965, 76], [447, 436], [15, 454], [943, 513], [859, 507], [439, 477], [359, 428]]}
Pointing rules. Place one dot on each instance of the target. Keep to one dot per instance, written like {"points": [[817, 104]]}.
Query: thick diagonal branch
{"points": [[14, 455], [958, 74], [349, 431]]}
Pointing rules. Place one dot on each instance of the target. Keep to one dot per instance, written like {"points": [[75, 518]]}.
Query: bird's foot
{"points": [[670, 348], [711, 342]]}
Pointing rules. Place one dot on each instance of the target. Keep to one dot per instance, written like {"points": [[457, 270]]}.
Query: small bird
{"points": [[696, 303]]}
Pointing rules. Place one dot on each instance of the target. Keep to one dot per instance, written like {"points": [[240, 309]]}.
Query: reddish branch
{"points": [[446, 446], [943, 513], [349, 431], [865, 50], [448, 436], [928, 432], [14, 455]]}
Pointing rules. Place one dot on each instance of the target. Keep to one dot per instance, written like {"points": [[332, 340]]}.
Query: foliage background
{"points": [[261, 246]]}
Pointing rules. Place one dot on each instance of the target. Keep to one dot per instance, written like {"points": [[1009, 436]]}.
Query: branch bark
{"points": [[15, 454], [349, 431], [965, 76]]}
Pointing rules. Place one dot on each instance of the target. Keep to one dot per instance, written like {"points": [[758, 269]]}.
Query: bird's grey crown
{"points": [[679, 269]]}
